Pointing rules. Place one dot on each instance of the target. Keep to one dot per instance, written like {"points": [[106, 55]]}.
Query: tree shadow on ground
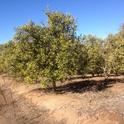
{"points": [[86, 85]]}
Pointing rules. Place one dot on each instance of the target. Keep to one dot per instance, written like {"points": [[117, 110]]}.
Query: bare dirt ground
{"points": [[81, 101]]}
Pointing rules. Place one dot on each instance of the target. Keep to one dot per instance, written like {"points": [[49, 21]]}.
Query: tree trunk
{"points": [[54, 86], [116, 73], [92, 74], [98, 74]]}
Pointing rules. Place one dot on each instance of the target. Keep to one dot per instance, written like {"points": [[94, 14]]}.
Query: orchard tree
{"points": [[95, 60], [49, 52], [6, 52], [114, 54]]}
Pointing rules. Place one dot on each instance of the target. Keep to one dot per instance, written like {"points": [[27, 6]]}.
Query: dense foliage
{"points": [[53, 52]]}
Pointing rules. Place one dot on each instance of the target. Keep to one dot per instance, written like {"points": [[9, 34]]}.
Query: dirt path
{"points": [[32, 106]]}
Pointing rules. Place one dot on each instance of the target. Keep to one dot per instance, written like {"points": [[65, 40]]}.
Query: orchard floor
{"points": [[81, 101]]}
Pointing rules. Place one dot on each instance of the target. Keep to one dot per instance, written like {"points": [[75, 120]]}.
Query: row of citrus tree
{"points": [[53, 52]]}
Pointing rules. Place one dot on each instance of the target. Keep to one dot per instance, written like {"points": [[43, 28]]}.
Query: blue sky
{"points": [[97, 17]]}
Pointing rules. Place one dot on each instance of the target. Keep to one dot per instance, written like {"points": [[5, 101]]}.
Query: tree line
{"points": [[53, 52]]}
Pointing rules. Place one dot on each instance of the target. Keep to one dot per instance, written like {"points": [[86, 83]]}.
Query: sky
{"points": [[96, 17]]}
